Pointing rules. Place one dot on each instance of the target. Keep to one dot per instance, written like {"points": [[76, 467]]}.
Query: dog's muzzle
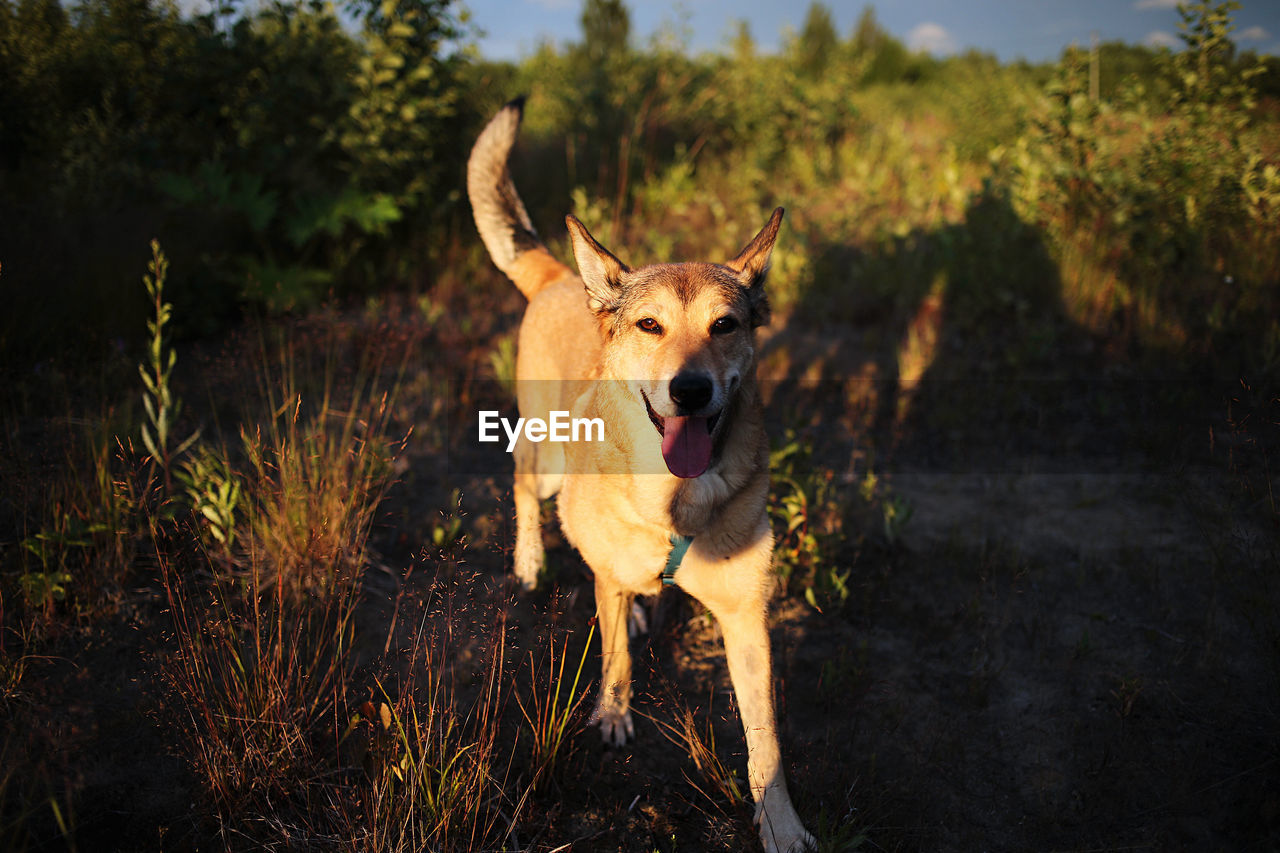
{"points": [[686, 438]]}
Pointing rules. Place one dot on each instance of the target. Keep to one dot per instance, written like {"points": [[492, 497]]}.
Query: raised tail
{"points": [[500, 215]]}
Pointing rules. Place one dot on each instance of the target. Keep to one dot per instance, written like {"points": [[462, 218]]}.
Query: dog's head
{"points": [[680, 335]]}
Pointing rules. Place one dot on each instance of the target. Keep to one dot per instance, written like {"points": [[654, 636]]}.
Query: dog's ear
{"points": [[601, 272], [752, 266]]}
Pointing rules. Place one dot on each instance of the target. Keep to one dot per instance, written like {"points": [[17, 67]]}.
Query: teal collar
{"points": [[679, 547]]}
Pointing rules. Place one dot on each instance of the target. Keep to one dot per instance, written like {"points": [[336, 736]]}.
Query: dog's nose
{"points": [[691, 391]]}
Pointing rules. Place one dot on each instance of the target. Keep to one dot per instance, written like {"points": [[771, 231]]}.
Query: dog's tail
{"points": [[500, 215]]}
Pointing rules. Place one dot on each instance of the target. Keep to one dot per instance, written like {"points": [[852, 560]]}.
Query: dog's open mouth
{"points": [[686, 441]]}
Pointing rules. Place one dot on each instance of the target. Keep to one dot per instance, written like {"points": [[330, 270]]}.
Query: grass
{"points": [[253, 677], [551, 720], [718, 785], [434, 773]]}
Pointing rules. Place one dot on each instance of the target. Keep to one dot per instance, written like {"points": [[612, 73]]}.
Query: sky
{"points": [[1036, 30]]}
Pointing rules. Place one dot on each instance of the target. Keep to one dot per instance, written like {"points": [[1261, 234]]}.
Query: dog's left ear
{"points": [[752, 266], [601, 272]]}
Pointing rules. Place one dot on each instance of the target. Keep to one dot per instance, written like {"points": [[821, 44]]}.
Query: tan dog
{"points": [[664, 355]]}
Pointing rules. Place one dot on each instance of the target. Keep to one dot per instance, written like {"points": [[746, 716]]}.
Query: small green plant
{"points": [[447, 537], [431, 309], [1126, 693], [161, 406], [838, 834], [807, 520], [49, 579], [88, 539], [213, 491], [895, 510], [503, 361]]}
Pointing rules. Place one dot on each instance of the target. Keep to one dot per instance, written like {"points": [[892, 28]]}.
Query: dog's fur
{"points": [[665, 355]]}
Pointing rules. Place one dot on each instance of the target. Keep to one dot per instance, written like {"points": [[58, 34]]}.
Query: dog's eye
{"points": [[650, 325], [724, 326]]}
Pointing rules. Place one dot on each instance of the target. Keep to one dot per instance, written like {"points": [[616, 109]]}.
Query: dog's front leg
{"points": [[613, 710], [529, 554], [736, 589], [746, 645]]}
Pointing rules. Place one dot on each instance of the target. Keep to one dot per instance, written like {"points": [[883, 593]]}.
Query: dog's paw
{"points": [[528, 566], [781, 830], [529, 556], [615, 725]]}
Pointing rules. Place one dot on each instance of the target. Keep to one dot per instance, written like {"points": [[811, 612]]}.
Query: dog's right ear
{"points": [[752, 266], [601, 272]]}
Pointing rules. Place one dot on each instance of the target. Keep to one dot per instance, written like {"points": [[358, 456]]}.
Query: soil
{"points": [[1072, 649]]}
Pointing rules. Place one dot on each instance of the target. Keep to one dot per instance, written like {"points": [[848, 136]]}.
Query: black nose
{"points": [[691, 391]]}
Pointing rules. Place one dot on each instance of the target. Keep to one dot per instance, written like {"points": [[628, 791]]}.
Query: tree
{"points": [[606, 29], [818, 41], [868, 35], [743, 45]]}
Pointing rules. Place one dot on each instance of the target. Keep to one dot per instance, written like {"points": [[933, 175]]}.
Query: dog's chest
{"points": [[693, 504]]}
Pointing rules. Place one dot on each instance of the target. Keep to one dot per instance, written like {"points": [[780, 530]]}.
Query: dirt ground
{"points": [[1061, 649]]}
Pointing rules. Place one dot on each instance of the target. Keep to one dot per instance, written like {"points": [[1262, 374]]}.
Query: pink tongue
{"points": [[686, 445]]}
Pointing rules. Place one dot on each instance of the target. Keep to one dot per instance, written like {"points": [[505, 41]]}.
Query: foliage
{"points": [[271, 142], [817, 43], [808, 523], [88, 530], [1179, 203]]}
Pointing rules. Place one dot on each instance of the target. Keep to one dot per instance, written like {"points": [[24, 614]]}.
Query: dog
{"points": [[664, 355]]}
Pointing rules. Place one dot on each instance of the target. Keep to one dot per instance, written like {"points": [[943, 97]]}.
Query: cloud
{"points": [[1254, 34], [1160, 38], [931, 38], [1146, 5]]}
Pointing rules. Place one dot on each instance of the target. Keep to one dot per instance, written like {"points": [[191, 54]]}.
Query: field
{"points": [[1022, 390]]}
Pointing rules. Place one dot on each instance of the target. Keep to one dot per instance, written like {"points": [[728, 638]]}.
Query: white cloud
{"points": [[931, 38], [555, 5], [1254, 34], [1144, 5], [1161, 38]]}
